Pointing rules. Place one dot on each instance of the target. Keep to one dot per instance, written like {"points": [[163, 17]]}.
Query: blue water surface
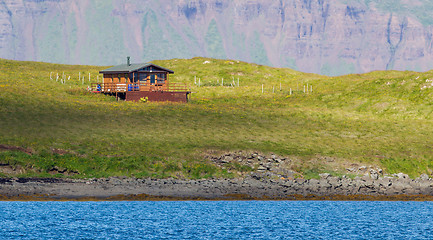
{"points": [[216, 220]]}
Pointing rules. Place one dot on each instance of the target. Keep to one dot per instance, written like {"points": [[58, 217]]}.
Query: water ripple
{"points": [[216, 220]]}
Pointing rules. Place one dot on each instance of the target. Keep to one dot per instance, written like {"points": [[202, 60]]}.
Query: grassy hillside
{"points": [[380, 118]]}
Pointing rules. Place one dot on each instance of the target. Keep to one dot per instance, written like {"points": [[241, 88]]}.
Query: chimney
{"points": [[128, 61]]}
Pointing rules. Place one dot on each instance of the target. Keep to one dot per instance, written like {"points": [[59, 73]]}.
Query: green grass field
{"points": [[380, 118]]}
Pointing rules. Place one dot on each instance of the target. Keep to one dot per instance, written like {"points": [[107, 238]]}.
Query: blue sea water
{"points": [[216, 220]]}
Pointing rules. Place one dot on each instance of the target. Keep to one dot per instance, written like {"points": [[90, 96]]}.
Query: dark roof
{"points": [[124, 68]]}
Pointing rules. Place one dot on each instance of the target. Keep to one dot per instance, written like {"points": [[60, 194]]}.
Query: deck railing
{"points": [[136, 87]]}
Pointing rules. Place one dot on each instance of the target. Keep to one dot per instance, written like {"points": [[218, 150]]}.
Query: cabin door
{"points": [[152, 79]]}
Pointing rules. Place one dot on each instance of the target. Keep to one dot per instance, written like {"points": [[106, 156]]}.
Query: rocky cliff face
{"points": [[321, 36]]}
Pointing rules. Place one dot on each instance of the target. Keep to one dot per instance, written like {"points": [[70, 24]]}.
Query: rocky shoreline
{"points": [[261, 177], [273, 166], [328, 187]]}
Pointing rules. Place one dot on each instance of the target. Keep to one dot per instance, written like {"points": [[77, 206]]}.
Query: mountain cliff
{"points": [[320, 36]]}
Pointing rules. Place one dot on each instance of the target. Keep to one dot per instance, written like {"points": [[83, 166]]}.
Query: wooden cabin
{"points": [[132, 82]]}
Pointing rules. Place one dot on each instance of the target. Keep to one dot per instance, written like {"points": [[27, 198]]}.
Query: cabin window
{"points": [[161, 78], [111, 76], [131, 77], [135, 76], [141, 77], [119, 76]]}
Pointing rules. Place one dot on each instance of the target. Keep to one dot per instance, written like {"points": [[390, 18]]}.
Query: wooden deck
{"points": [[137, 87]]}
